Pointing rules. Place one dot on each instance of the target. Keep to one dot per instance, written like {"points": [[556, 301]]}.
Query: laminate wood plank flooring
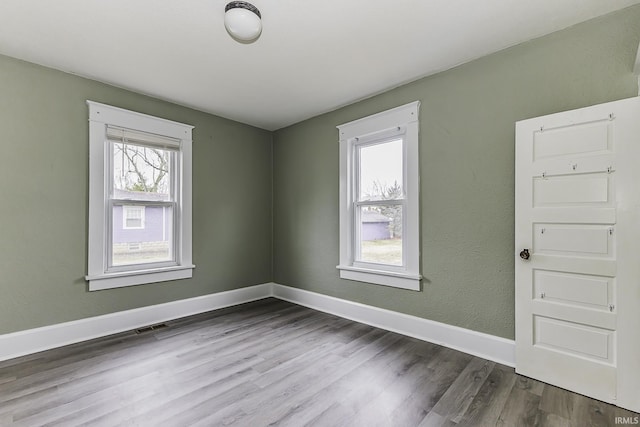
{"points": [[273, 363]]}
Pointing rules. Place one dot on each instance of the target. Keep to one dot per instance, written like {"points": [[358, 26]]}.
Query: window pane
{"points": [[141, 173], [150, 242], [134, 222], [381, 234], [381, 171], [133, 216]]}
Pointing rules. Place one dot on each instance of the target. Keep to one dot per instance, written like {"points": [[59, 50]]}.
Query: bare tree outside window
{"points": [[141, 174], [382, 248], [141, 169], [382, 191]]}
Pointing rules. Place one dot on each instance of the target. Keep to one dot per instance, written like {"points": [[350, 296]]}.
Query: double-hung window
{"points": [[139, 198], [379, 198]]}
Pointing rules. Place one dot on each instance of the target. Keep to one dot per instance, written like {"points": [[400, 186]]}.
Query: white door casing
{"points": [[578, 215]]}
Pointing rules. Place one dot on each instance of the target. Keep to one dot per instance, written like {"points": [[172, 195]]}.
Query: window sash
{"points": [[111, 202], [357, 144], [174, 172], [174, 247], [357, 235]]}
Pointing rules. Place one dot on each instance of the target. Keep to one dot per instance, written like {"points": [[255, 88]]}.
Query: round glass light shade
{"points": [[242, 21]]}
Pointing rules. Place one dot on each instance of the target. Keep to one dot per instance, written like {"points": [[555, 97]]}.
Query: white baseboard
{"points": [[35, 340], [486, 346], [489, 347]]}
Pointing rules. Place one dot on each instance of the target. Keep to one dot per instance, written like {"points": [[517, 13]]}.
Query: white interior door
{"points": [[578, 251]]}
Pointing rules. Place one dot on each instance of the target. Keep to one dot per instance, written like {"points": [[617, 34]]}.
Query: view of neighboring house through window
{"points": [[143, 174], [139, 198], [379, 203], [133, 217]]}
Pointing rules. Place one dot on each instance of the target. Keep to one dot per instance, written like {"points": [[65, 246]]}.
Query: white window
{"points": [[132, 217], [139, 198], [379, 199]]}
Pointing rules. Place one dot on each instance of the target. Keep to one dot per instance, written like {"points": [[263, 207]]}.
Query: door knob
{"points": [[524, 254]]}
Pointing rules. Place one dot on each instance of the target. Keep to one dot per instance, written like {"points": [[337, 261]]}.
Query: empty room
{"points": [[365, 213]]}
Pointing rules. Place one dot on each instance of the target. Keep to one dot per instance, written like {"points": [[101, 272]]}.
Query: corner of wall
{"points": [[273, 211], [636, 68]]}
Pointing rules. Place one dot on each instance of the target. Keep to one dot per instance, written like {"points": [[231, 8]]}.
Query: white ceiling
{"points": [[313, 56]]}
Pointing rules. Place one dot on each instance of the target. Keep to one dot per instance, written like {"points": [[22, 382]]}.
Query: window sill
{"points": [[138, 277], [381, 277]]}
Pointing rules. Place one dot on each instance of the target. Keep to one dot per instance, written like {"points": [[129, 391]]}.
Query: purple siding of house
{"points": [[156, 226], [375, 231], [375, 226]]}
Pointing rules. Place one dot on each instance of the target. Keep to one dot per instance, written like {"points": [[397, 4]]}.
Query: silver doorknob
{"points": [[524, 254]]}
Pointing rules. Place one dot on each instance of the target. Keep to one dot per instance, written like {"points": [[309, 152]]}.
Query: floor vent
{"points": [[151, 328]]}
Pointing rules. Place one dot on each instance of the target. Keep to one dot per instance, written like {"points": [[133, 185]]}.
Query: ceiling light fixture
{"points": [[243, 21]]}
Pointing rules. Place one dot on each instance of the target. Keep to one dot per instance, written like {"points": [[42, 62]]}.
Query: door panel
{"points": [[575, 338], [578, 214], [574, 139], [546, 307], [574, 289], [553, 366], [593, 189], [573, 239]]}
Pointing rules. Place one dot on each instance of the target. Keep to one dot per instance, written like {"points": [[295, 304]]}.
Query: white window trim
{"points": [[399, 120], [101, 115], [126, 209]]}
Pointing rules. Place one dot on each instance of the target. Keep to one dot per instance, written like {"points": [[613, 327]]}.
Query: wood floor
{"points": [[276, 363]]}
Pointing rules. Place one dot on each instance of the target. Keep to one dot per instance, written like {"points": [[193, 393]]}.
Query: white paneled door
{"points": [[578, 251]]}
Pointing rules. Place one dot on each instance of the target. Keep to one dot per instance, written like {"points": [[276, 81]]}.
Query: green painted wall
{"points": [[44, 192], [467, 171]]}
